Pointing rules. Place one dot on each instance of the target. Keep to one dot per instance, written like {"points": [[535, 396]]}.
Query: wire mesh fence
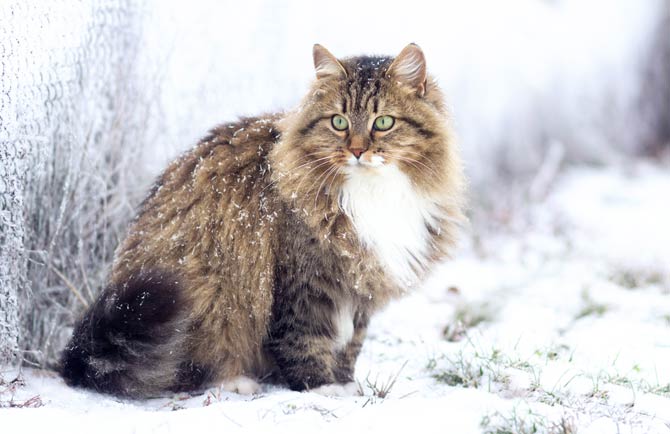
{"points": [[71, 126]]}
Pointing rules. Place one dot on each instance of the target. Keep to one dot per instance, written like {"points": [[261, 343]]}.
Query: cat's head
{"points": [[364, 114]]}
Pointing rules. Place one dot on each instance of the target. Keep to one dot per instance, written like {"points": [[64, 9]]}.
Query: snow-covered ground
{"points": [[558, 321]]}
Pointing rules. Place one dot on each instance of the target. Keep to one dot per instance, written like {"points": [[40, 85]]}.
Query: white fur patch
{"points": [[390, 218], [349, 389], [242, 385], [343, 320]]}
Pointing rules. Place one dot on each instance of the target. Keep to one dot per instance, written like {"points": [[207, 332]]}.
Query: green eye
{"points": [[340, 123], [383, 123]]}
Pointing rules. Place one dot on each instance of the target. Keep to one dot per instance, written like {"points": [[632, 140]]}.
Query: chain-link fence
{"points": [[13, 154], [71, 127]]}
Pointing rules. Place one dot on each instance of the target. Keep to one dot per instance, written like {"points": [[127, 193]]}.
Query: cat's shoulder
{"points": [[229, 152], [248, 134], [230, 147]]}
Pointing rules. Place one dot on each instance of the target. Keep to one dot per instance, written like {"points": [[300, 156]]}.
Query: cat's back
{"points": [[232, 148], [198, 205]]}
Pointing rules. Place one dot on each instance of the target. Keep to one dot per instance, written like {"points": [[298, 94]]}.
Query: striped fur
{"points": [[263, 252]]}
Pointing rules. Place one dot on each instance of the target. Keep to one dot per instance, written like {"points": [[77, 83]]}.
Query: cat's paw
{"points": [[242, 385], [348, 389]]}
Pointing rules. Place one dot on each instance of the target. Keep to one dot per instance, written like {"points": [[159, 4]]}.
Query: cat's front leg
{"points": [[301, 338], [304, 362], [346, 358]]}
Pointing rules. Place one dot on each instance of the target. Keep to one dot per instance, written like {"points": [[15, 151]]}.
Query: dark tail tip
{"points": [[124, 335]]}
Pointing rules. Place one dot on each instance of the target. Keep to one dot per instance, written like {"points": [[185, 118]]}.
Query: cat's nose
{"points": [[357, 152], [357, 145]]}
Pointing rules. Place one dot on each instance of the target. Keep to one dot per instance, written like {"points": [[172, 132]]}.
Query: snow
{"points": [[563, 318]]}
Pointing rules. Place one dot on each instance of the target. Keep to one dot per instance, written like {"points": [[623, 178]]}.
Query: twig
{"points": [[86, 285], [69, 284]]}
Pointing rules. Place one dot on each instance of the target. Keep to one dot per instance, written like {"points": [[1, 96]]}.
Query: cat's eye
{"points": [[340, 123], [384, 123]]}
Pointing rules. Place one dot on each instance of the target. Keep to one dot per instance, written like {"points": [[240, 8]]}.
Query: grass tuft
{"points": [[635, 279], [467, 317], [380, 388], [590, 307], [526, 422]]}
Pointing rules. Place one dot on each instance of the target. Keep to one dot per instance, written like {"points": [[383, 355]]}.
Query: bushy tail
{"points": [[131, 342]]}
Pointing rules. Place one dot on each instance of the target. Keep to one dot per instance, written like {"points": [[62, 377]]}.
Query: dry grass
{"points": [[380, 387], [8, 390], [526, 422]]}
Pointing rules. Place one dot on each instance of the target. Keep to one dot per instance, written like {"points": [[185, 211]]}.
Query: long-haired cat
{"points": [[263, 251]]}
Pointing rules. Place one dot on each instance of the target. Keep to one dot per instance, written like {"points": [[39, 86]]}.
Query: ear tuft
{"points": [[409, 68], [325, 64]]}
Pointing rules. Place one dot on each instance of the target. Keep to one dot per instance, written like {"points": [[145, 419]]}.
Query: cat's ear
{"points": [[409, 68], [326, 65]]}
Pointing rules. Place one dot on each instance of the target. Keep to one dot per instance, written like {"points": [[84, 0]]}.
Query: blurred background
{"points": [[96, 97]]}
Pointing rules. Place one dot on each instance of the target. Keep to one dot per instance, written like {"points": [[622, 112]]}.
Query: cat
{"points": [[261, 254]]}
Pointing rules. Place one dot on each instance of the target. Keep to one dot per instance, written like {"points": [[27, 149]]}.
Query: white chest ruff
{"points": [[391, 219]]}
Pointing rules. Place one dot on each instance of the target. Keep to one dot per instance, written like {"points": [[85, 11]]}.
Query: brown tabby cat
{"points": [[264, 250]]}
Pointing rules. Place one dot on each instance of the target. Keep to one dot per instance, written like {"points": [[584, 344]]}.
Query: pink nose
{"points": [[357, 152]]}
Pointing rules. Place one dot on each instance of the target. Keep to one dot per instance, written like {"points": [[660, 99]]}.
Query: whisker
{"points": [[302, 165], [422, 156], [413, 160], [330, 186], [416, 164], [310, 171], [316, 152], [332, 170], [307, 156], [310, 162], [415, 153], [319, 178]]}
